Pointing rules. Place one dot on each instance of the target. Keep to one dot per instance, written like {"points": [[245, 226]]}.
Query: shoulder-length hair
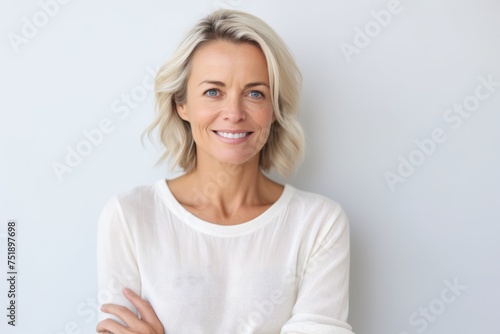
{"points": [[284, 148]]}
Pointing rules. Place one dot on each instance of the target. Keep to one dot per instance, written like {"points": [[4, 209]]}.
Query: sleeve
{"points": [[323, 297], [116, 259]]}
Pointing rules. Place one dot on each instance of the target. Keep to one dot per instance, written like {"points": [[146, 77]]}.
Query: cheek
{"points": [[265, 121], [265, 117], [201, 120], [199, 114]]}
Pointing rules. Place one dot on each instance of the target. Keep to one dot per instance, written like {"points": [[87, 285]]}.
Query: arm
{"points": [[116, 259], [122, 310], [323, 297], [147, 323]]}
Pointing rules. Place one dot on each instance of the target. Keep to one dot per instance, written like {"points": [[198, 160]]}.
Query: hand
{"points": [[148, 323]]}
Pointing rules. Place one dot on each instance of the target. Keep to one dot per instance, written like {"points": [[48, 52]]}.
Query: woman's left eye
{"points": [[255, 94], [211, 92]]}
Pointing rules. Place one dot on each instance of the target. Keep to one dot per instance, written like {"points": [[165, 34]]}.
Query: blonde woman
{"points": [[224, 249]]}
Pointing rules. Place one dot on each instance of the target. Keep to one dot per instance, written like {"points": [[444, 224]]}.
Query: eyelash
{"points": [[209, 90], [261, 96]]}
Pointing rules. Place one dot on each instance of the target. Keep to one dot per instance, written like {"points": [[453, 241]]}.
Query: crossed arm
{"points": [[320, 307], [147, 323]]}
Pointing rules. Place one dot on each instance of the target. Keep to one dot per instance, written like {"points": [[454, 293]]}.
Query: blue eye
{"points": [[211, 92], [256, 94]]}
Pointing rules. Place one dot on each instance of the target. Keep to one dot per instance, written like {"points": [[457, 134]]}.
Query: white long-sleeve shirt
{"points": [[286, 271]]}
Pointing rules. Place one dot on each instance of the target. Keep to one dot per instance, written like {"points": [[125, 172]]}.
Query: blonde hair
{"points": [[284, 148]]}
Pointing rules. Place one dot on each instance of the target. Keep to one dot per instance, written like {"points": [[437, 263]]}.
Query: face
{"points": [[228, 102]]}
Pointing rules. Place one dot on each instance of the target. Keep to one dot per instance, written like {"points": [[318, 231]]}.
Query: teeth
{"points": [[232, 135]]}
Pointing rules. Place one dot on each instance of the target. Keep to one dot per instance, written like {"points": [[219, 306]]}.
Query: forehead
{"points": [[223, 58]]}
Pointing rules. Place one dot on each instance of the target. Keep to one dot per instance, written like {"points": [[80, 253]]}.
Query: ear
{"points": [[181, 111]]}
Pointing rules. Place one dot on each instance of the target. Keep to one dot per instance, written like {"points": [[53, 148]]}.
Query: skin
{"points": [[147, 324], [227, 90]]}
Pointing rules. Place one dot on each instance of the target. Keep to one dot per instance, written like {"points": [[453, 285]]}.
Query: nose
{"points": [[233, 110]]}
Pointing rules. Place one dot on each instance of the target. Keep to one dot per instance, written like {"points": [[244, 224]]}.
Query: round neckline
{"points": [[223, 230]]}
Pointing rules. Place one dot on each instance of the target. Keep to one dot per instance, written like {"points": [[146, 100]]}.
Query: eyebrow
{"points": [[221, 84]]}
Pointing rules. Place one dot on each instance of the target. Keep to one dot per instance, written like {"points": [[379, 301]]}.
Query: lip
{"points": [[232, 140]]}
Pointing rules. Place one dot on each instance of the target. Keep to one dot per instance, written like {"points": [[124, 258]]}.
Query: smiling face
{"points": [[228, 102]]}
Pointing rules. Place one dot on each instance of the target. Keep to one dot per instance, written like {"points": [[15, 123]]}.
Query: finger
{"points": [[145, 310], [123, 313], [111, 326]]}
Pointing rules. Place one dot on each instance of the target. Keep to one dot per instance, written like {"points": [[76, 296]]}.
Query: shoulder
{"points": [[320, 220], [315, 215], [132, 211], [138, 195], [133, 201], [309, 203]]}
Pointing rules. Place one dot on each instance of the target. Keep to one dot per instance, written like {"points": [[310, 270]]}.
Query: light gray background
{"points": [[361, 115]]}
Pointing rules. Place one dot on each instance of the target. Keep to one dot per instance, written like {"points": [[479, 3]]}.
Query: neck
{"points": [[224, 193], [217, 183]]}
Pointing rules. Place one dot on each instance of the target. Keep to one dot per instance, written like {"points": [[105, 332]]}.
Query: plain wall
{"points": [[401, 126]]}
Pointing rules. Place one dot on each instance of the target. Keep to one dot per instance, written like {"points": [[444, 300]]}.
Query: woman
{"points": [[222, 248]]}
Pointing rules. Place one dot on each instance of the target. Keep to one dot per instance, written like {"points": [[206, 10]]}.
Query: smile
{"points": [[231, 135]]}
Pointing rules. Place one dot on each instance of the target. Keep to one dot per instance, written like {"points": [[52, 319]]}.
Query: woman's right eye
{"points": [[211, 93]]}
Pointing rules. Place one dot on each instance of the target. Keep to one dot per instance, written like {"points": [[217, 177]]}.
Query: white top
{"points": [[286, 271]]}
